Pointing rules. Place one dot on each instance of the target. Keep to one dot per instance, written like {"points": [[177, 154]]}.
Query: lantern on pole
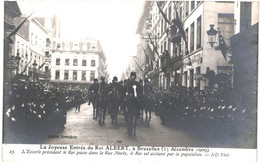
{"points": [[212, 35]]}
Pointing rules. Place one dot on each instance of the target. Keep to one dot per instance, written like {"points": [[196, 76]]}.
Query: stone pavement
{"points": [[81, 129]]}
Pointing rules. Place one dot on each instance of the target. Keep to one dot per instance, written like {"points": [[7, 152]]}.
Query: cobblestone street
{"points": [[88, 132]]}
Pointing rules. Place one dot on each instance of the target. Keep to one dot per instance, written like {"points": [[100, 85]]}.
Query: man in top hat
{"points": [[134, 94]]}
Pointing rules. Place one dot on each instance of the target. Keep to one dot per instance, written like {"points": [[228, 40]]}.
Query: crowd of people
{"points": [[39, 106], [181, 104]]}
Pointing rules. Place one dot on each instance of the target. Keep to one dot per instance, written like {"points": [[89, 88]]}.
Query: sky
{"points": [[112, 22]]}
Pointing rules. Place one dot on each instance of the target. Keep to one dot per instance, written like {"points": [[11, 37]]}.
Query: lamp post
{"points": [[34, 70], [212, 35]]}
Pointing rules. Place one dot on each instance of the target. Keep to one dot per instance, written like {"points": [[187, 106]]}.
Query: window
{"points": [[187, 38], [191, 77], [181, 14], [170, 13], [187, 8], [192, 37], [26, 52], [199, 32], [75, 74], [165, 45], [92, 75], [67, 62], [58, 45], [175, 51], [245, 16], [57, 61], [84, 62], [47, 54], [83, 75], [161, 27], [36, 40], [198, 2], [66, 75], [57, 74], [226, 24], [75, 62], [22, 51], [31, 37], [93, 63], [179, 50], [46, 68], [197, 81], [192, 5]]}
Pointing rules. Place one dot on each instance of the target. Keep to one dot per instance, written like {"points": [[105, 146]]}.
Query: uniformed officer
{"points": [[102, 101], [93, 92], [134, 94]]}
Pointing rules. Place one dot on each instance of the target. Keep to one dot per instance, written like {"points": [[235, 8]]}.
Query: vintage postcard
{"points": [[135, 79]]}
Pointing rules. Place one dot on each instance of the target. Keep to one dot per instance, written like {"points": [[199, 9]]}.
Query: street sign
{"points": [[12, 64], [142, 36], [47, 59]]}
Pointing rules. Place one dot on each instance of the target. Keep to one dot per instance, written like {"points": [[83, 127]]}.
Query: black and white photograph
{"points": [[170, 78]]}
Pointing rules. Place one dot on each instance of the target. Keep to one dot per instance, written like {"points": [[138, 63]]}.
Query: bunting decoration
{"points": [[154, 47], [178, 24], [162, 13], [17, 29], [222, 45], [26, 66], [42, 65]]}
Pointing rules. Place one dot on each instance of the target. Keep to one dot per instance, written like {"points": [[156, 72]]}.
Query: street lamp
{"points": [[212, 35], [34, 70]]}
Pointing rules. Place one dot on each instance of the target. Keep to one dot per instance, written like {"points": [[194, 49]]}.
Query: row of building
{"points": [[171, 57], [37, 51]]}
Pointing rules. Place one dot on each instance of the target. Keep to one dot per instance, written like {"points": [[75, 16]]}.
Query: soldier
{"points": [[102, 101], [93, 92], [148, 100], [134, 94], [114, 99]]}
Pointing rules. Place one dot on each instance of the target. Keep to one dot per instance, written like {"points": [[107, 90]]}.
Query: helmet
{"points": [[133, 74], [115, 78], [102, 78]]}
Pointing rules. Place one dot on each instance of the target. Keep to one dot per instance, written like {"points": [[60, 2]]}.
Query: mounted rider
{"points": [[102, 99], [133, 95], [115, 96], [93, 93]]}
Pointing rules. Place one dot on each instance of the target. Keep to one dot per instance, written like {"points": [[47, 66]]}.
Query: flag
{"points": [[42, 65], [139, 66], [222, 45], [26, 66], [178, 24], [148, 52], [18, 27], [155, 49], [162, 13]]}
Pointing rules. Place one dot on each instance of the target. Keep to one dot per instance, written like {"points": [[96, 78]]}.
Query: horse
{"points": [[148, 105], [114, 102], [102, 103]]}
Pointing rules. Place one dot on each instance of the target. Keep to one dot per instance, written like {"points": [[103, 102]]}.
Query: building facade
{"points": [[30, 45], [11, 11], [186, 62], [77, 62]]}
